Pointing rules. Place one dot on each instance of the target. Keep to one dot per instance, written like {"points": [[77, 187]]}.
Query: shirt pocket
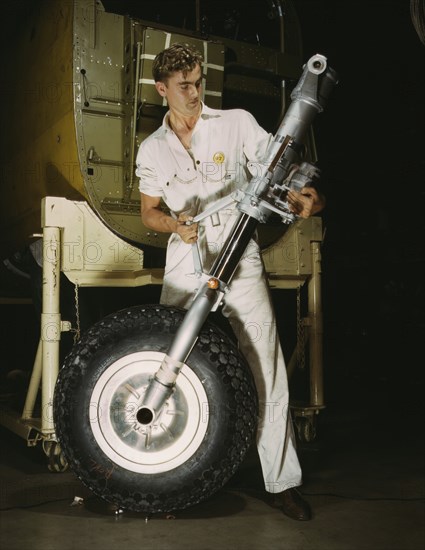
{"points": [[181, 192]]}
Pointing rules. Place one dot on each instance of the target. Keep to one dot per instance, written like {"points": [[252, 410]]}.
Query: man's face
{"points": [[183, 93]]}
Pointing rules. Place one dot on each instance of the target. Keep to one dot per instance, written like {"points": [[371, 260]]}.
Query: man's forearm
{"points": [[156, 219]]}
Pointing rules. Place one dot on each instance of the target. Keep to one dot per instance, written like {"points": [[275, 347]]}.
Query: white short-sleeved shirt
{"points": [[224, 145], [223, 142]]}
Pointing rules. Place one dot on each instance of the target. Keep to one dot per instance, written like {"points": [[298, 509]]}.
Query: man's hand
{"points": [[307, 202], [154, 218], [188, 232]]}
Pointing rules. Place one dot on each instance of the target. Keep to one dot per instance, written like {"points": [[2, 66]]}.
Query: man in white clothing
{"points": [[198, 156]]}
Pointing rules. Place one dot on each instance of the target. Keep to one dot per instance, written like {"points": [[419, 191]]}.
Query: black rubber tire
{"points": [[232, 402]]}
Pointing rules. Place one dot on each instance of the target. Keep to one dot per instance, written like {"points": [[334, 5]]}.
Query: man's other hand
{"points": [[307, 202]]}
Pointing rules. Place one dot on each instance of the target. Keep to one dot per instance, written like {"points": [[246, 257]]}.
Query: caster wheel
{"points": [[56, 461], [306, 428]]}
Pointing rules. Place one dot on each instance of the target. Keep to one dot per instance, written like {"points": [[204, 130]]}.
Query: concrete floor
{"points": [[363, 478]]}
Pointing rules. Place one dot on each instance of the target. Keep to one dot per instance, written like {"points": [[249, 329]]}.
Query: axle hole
{"points": [[144, 416]]}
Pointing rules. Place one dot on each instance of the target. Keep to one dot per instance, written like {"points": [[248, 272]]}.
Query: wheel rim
{"points": [[173, 437]]}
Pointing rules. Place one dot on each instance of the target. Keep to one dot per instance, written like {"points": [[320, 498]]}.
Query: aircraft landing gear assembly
{"points": [[117, 448]]}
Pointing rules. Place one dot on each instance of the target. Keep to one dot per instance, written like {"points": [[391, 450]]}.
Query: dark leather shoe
{"points": [[292, 505]]}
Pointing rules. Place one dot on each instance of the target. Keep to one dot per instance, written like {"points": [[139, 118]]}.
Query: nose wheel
{"points": [[126, 454]]}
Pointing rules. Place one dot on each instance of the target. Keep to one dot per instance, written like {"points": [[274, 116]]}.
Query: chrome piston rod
{"points": [[162, 385]]}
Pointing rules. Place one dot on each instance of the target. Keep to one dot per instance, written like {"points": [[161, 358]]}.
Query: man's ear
{"points": [[161, 88]]}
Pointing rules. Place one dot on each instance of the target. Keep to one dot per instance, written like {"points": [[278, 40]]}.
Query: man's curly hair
{"points": [[178, 57]]}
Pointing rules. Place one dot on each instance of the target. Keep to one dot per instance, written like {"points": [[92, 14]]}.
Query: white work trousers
{"points": [[250, 312]]}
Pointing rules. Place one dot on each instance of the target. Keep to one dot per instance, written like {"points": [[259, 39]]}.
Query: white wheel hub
{"points": [[171, 439]]}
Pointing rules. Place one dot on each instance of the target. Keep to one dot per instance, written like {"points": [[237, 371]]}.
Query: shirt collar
{"points": [[206, 113]]}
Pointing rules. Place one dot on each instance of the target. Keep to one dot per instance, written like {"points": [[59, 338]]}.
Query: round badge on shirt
{"points": [[218, 157]]}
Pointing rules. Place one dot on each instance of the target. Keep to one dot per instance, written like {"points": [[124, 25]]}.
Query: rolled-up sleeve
{"points": [[149, 182]]}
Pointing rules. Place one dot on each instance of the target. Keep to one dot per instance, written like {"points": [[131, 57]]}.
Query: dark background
{"points": [[371, 151]]}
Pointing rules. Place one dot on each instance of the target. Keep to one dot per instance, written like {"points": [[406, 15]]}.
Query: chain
{"points": [[77, 329], [300, 333]]}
